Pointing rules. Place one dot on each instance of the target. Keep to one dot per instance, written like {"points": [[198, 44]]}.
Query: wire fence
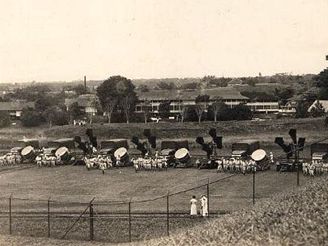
{"points": [[131, 220]]}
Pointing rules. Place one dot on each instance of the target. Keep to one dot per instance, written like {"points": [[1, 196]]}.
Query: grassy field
{"points": [[71, 187]]}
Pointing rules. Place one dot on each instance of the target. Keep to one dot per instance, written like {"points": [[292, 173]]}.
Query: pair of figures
{"points": [[203, 206]]}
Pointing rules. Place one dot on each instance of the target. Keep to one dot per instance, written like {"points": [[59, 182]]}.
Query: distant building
{"points": [[264, 107], [87, 102], [15, 109], [181, 98], [236, 82], [288, 109], [324, 104]]}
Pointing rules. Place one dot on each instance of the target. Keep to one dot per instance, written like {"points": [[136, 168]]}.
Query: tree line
{"points": [[117, 101]]}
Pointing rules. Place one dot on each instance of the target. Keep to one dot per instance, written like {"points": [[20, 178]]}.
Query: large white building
{"points": [[264, 107], [178, 99]]}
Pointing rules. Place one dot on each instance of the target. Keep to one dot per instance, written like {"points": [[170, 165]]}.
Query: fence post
{"points": [[254, 184], [168, 214], [10, 221], [130, 238], [91, 221], [297, 164], [49, 217], [208, 197]]}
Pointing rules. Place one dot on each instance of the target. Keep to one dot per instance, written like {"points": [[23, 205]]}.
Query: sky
{"points": [[63, 40]]}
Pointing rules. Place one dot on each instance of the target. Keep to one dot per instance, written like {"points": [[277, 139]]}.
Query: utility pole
{"points": [[85, 83]]}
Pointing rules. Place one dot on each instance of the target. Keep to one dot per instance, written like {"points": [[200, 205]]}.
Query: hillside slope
{"points": [[295, 217]]}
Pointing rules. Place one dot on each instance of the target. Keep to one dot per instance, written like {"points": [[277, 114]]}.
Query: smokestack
{"points": [[85, 83]]}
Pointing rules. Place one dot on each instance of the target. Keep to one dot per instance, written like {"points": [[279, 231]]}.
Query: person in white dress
{"points": [[204, 206], [193, 206]]}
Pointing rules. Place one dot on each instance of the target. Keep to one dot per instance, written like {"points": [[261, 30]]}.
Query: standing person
{"points": [[204, 206], [193, 206]]}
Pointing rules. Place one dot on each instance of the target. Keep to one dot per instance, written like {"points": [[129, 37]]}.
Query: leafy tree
{"points": [[31, 118], [202, 98], [164, 109], [143, 88], [211, 80], [127, 97], [199, 109], [4, 119], [31, 93], [54, 115], [201, 105], [323, 93], [217, 108], [190, 86], [184, 112], [302, 109], [190, 114], [241, 112], [166, 86], [283, 94], [117, 91], [322, 83], [126, 103], [145, 107], [79, 89], [43, 103], [75, 111], [50, 115], [322, 79]]}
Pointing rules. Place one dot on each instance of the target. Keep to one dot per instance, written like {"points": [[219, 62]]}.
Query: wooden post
{"points": [[49, 217], [208, 196], [130, 238], [10, 221], [167, 214], [91, 221]]}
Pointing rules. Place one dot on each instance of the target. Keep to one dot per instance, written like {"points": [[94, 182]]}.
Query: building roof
{"points": [[215, 93], [324, 104], [15, 106], [235, 81], [85, 100]]}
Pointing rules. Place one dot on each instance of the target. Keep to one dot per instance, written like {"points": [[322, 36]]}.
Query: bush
{"points": [[61, 119], [31, 118], [99, 119], [164, 109], [191, 114], [4, 119], [240, 112]]}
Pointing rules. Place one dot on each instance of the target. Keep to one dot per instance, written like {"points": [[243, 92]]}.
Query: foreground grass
{"points": [[69, 184], [294, 217]]}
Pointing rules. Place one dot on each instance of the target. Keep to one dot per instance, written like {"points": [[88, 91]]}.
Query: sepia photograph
{"points": [[163, 122]]}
